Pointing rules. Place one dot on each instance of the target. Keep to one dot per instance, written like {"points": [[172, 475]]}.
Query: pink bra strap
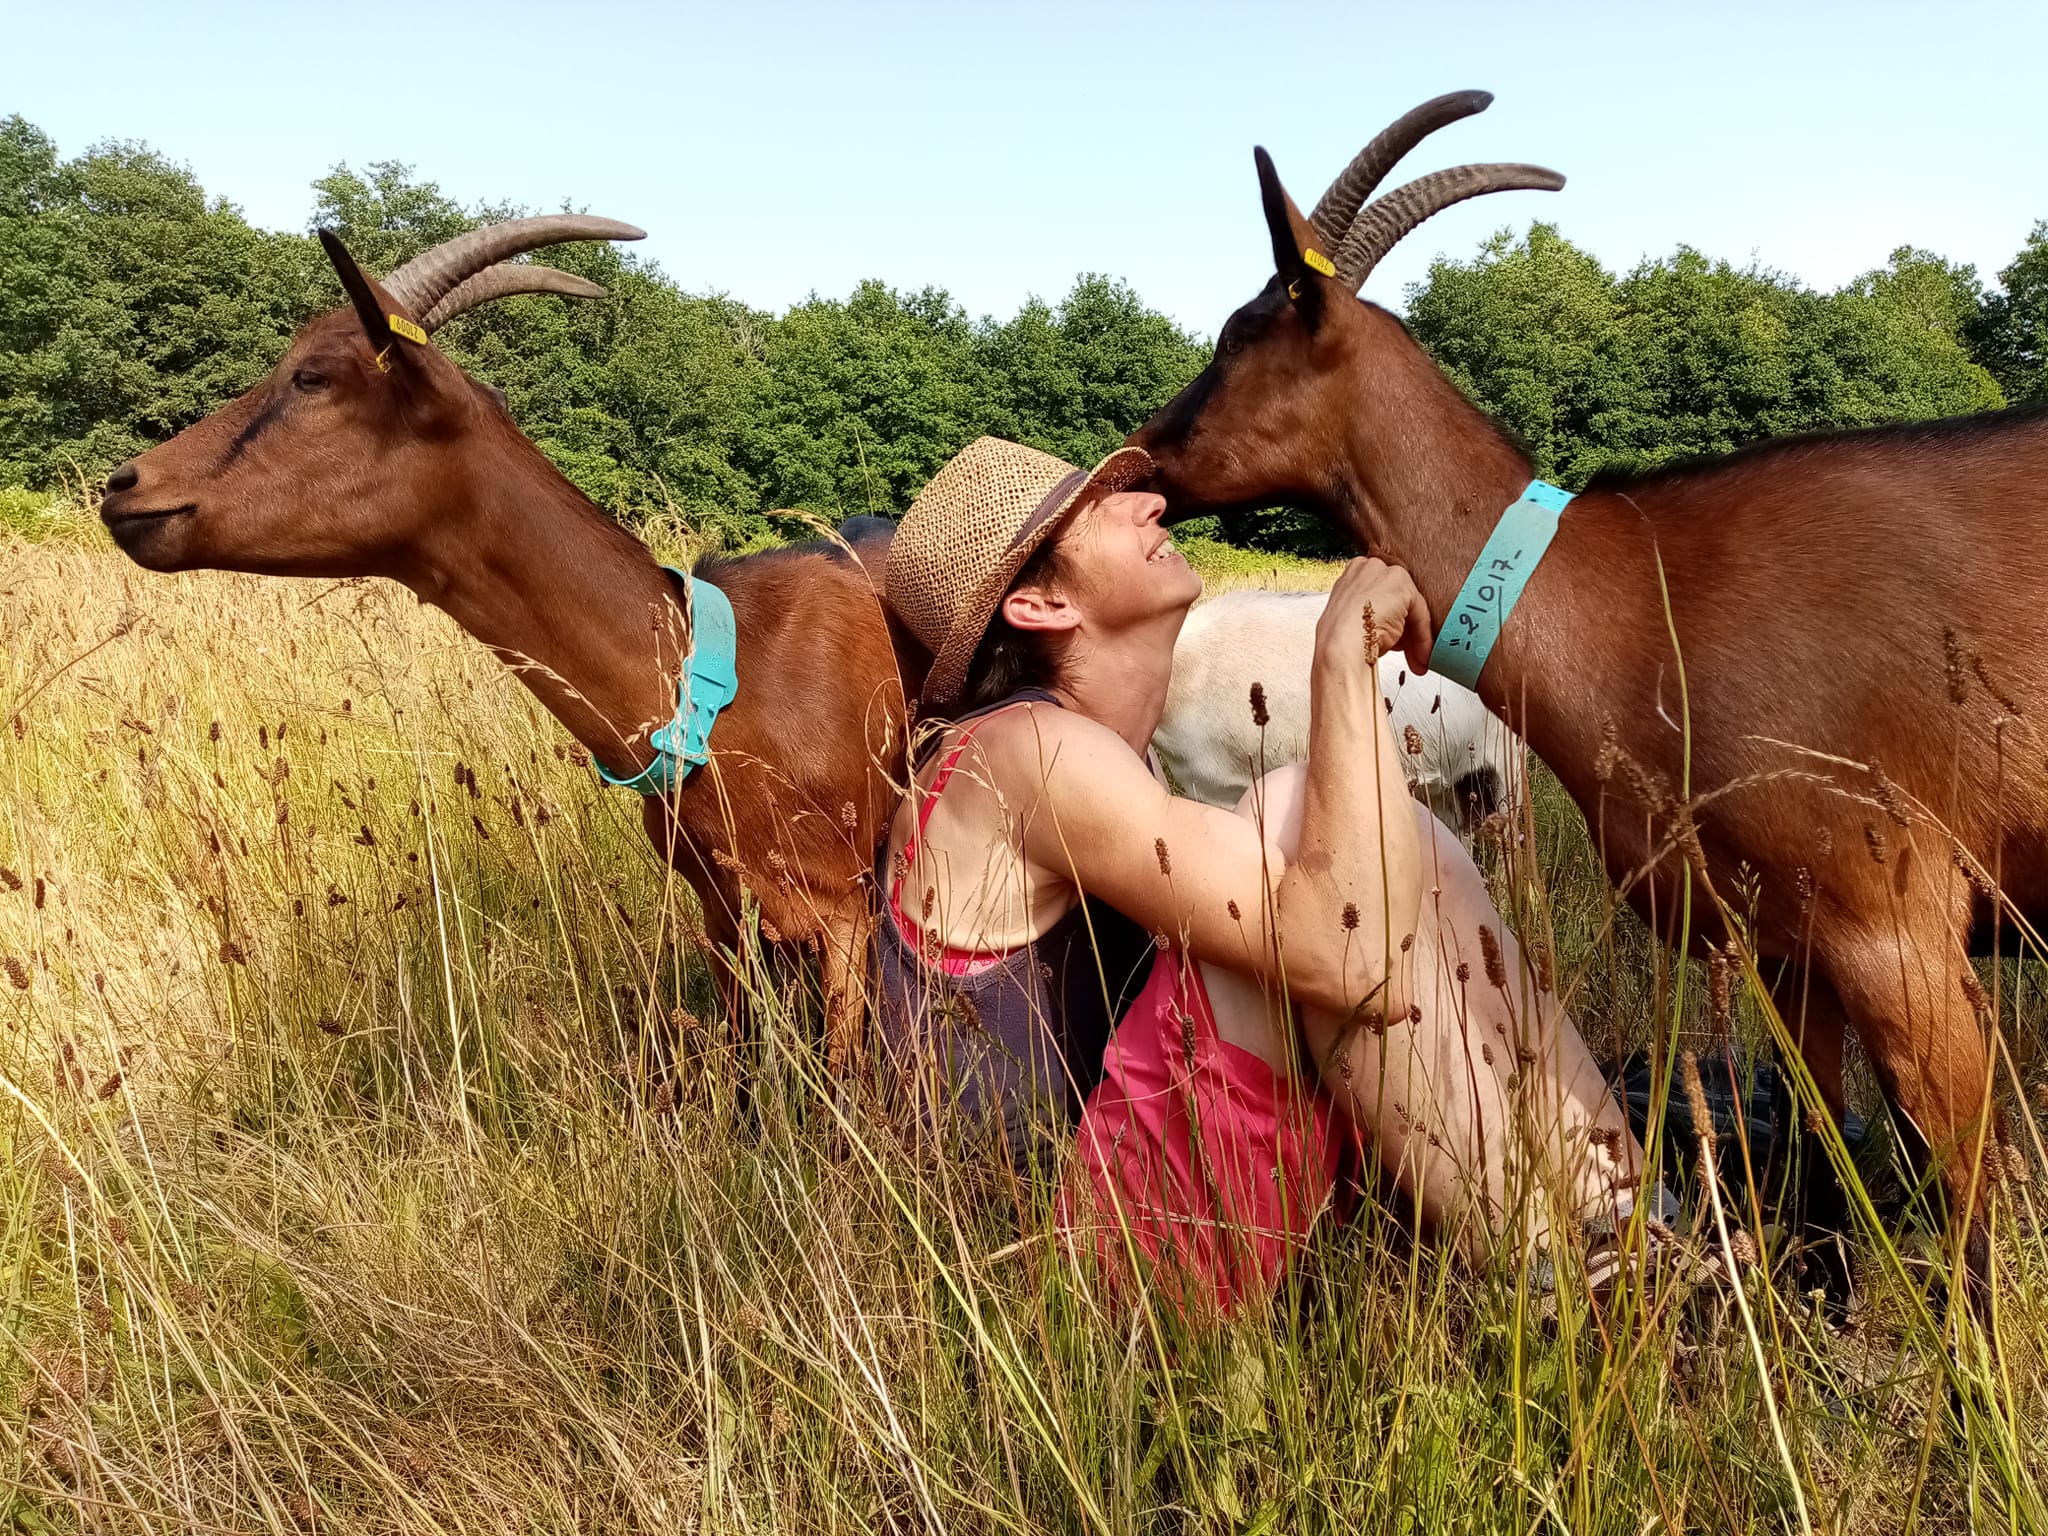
{"points": [[931, 801], [932, 792]]}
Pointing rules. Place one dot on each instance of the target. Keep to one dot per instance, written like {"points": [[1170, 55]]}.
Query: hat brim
{"points": [[948, 675]]}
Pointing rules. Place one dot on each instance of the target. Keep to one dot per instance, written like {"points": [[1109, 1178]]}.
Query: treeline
{"points": [[131, 303]]}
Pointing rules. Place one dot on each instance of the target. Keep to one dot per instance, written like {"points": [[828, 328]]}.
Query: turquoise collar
{"points": [[710, 681], [1490, 593]]}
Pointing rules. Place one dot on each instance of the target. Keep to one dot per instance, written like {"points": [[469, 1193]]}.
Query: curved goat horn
{"points": [[1374, 231], [1339, 206], [502, 281], [429, 277]]}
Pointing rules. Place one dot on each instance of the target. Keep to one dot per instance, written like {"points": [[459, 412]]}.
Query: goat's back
{"points": [[1213, 748], [806, 759], [1830, 596]]}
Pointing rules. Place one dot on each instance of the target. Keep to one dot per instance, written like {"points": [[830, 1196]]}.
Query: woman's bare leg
{"points": [[1486, 1097]]}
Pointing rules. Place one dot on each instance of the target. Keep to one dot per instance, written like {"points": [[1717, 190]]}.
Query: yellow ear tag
{"points": [[383, 361], [1318, 262], [400, 326]]}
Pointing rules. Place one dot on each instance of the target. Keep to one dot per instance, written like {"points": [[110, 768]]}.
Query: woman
{"points": [[1043, 889]]}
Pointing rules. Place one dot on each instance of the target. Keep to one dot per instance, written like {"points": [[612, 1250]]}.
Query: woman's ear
{"points": [[1040, 608]]}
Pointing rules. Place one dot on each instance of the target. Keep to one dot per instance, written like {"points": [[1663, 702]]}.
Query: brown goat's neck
{"points": [[1424, 474], [1425, 479], [579, 610]]}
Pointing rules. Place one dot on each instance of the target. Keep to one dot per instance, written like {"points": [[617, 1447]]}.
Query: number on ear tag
{"points": [[400, 326], [1318, 262]]}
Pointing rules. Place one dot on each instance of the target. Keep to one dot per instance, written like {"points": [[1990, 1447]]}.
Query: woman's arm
{"points": [[1323, 924]]}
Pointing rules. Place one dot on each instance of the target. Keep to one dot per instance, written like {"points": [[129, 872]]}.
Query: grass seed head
{"points": [[1610, 750], [1696, 1100], [1888, 796], [1979, 881], [1719, 990], [1496, 963], [1973, 989], [2004, 700]]}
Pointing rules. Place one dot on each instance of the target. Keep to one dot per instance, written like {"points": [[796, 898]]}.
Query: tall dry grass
{"points": [[345, 1187]]}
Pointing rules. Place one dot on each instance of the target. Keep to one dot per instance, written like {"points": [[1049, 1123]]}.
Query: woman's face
{"points": [[1119, 565]]}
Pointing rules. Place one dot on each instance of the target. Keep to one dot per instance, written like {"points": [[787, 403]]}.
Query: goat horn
{"points": [[1382, 223], [428, 278], [1340, 205], [502, 281]]}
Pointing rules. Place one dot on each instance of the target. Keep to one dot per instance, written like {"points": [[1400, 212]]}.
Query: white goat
{"points": [[1468, 765]]}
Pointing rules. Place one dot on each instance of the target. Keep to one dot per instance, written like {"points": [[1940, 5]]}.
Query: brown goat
{"points": [[1863, 690], [368, 454]]}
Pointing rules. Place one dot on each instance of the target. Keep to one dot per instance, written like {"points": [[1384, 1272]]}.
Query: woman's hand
{"points": [[1400, 618]]}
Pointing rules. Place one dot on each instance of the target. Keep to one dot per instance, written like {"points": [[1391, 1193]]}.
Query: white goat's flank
{"points": [[1213, 750]]}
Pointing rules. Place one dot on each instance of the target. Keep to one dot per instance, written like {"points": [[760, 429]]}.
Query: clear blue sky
{"points": [[776, 150]]}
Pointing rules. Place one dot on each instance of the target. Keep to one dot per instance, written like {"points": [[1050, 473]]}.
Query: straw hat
{"points": [[969, 533]]}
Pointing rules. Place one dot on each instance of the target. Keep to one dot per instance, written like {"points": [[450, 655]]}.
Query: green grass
{"points": [[27, 514], [342, 1187], [1224, 567]]}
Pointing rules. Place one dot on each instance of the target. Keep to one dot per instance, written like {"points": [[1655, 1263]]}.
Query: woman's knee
{"points": [[1274, 802]]}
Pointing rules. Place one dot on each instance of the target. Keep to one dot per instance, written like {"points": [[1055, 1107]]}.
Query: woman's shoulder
{"points": [[1029, 724], [1042, 746]]}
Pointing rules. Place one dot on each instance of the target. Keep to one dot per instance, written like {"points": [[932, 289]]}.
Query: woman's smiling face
{"points": [[1119, 564]]}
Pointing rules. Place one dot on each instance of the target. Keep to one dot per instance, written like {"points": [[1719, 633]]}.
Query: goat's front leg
{"points": [[1903, 988], [722, 952], [845, 940], [1819, 1202]]}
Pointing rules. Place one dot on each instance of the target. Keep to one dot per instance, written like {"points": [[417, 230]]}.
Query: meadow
{"points": [[369, 1162]]}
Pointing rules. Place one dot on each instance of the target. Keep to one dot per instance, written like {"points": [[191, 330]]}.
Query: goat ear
{"points": [[1292, 236], [371, 307]]}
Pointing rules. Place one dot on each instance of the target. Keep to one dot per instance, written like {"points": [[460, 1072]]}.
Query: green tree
{"points": [[1688, 356], [131, 304], [1077, 379], [1539, 335], [385, 217], [868, 398], [2010, 330], [1895, 345]]}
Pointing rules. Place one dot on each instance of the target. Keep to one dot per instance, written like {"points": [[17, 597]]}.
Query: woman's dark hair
{"points": [[1009, 658]]}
